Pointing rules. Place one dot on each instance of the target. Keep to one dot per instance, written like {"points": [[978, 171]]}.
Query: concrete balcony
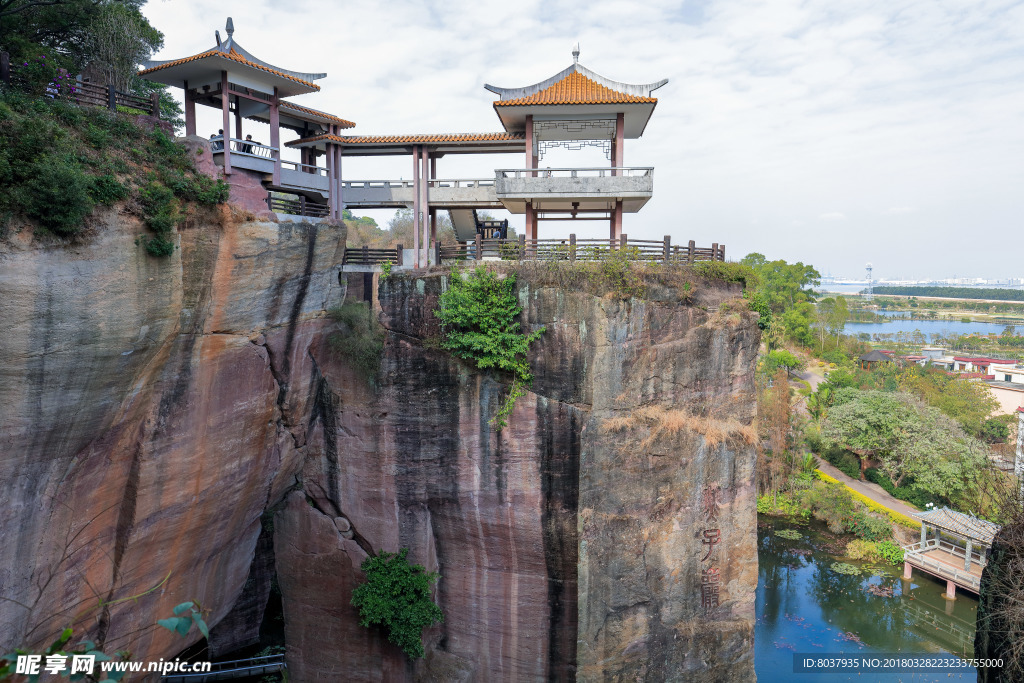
{"points": [[246, 154], [562, 189], [443, 194]]}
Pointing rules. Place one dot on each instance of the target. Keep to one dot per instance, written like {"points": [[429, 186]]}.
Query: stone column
{"points": [[967, 559], [924, 533], [908, 571], [950, 590], [531, 160], [337, 189], [275, 136], [531, 222], [331, 177], [225, 106], [425, 165]]}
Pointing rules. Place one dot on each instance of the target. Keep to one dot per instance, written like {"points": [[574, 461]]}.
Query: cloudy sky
{"points": [[827, 132]]}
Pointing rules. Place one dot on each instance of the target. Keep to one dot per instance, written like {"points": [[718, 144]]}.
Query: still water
{"points": [[803, 605], [945, 328]]}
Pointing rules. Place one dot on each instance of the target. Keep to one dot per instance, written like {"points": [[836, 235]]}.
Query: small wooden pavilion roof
{"points": [[440, 143], [959, 524], [874, 357], [243, 69], [577, 92]]}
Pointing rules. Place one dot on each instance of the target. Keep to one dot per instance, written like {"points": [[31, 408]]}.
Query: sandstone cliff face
{"points": [[567, 549], [154, 410], [141, 422]]}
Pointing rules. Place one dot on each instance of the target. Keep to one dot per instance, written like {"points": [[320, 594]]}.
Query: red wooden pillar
{"points": [[275, 136], [531, 160], [225, 106], [337, 190], [531, 222], [332, 198], [425, 166], [616, 222], [416, 205], [190, 111]]}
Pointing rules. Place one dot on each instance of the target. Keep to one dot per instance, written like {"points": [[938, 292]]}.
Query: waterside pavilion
{"points": [[945, 558]]}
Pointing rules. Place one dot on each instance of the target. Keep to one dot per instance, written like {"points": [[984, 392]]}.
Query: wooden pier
{"points": [[958, 565]]}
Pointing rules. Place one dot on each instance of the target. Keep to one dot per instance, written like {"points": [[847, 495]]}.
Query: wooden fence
{"points": [[572, 249], [298, 207], [90, 94], [365, 256]]}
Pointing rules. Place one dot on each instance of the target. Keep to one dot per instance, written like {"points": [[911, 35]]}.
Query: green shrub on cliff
{"points": [[397, 596], [58, 161], [480, 318], [359, 339]]}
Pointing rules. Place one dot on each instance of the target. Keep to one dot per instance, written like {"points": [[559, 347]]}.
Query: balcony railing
{"points": [[592, 172], [244, 147], [304, 168]]}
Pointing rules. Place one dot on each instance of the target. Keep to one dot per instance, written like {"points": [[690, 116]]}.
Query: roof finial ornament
{"points": [[230, 27], [576, 53]]}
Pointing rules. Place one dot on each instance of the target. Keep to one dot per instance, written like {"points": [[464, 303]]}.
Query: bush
{"points": [[360, 339], [908, 492], [479, 315], [397, 596], [859, 549], [58, 198], [845, 461], [868, 526], [890, 552], [107, 189], [835, 356]]}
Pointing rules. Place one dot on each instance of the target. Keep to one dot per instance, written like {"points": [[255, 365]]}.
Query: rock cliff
{"points": [[186, 424]]}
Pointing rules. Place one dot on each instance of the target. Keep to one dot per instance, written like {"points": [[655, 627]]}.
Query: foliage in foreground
{"points": [[397, 596], [480, 318]]}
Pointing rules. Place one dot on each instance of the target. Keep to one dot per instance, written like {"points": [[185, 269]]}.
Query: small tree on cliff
{"points": [[397, 596], [480, 317]]}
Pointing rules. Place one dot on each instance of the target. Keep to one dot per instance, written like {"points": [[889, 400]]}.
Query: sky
{"points": [[832, 133]]}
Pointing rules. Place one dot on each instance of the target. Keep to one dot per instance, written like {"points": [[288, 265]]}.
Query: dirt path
{"points": [[872, 491]]}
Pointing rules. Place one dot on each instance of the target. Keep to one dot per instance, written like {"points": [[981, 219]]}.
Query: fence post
{"points": [[399, 255], [572, 246], [366, 254], [111, 98], [154, 104], [437, 252], [690, 255], [5, 67], [623, 241], [302, 205], [721, 252], [714, 250], [269, 205], [479, 248], [668, 248]]}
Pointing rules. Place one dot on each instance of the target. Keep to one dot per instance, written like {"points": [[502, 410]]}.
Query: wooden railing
{"points": [[298, 207], [365, 256], [573, 249], [239, 668]]}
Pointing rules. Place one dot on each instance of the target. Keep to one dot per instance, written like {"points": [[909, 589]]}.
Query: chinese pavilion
{"points": [[573, 109]]}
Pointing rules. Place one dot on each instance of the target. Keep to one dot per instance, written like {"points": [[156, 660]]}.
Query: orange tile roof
{"points": [[577, 89], [233, 56], [314, 112], [414, 139]]}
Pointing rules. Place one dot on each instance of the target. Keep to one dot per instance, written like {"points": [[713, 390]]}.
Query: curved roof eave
{"points": [[635, 90]]}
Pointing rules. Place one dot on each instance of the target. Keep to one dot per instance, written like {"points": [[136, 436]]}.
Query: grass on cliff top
{"points": [[59, 161], [622, 275]]}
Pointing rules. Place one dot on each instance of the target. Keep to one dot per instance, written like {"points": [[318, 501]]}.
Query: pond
{"points": [[944, 328], [804, 605]]}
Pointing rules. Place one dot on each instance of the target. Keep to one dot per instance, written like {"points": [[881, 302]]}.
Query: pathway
{"points": [[869, 489]]}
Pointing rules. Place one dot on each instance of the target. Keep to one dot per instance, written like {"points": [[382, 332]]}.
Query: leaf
{"points": [[184, 625], [201, 625], [182, 608], [170, 623]]}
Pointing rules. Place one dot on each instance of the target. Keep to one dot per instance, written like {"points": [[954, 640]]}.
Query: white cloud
{"points": [[773, 109], [899, 210], [832, 216]]}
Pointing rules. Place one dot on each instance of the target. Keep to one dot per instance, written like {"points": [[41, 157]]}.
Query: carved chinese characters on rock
{"points": [[711, 536]]}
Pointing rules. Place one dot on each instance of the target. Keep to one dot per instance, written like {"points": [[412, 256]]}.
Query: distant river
{"points": [[803, 605]]}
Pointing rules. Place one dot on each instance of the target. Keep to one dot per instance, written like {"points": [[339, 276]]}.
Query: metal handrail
{"points": [[462, 182], [590, 171]]}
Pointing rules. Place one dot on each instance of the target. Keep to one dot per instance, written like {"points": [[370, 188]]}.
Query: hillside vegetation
{"points": [[59, 161]]}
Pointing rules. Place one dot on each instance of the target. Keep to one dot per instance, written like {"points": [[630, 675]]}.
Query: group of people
{"points": [[217, 143]]}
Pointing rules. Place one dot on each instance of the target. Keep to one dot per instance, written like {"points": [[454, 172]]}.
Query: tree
{"points": [[782, 359], [120, 40], [909, 439]]}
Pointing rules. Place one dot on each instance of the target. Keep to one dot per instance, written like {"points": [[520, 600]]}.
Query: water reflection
{"points": [[804, 605]]}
